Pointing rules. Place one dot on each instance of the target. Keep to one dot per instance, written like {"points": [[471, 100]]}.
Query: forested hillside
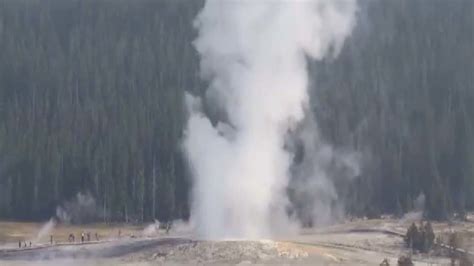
{"points": [[92, 101], [402, 93]]}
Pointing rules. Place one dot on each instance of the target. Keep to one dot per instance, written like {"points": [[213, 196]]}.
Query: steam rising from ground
{"points": [[176, 226], [81, 209], [45, 230], [312, 190], [254, 56], [152, 229]]}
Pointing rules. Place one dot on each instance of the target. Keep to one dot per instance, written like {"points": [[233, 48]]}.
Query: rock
{"points": [[405, 261], [207, 252]]}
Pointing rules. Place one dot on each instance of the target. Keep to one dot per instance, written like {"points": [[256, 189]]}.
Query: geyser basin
{"points": [[254, 56]]}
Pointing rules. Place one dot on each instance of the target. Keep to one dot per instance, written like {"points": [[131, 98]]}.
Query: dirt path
{"points": [[364, 242], [106, 249]]}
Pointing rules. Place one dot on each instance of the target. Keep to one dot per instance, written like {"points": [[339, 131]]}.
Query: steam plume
{"points": [[45, 230], [254, 56]]}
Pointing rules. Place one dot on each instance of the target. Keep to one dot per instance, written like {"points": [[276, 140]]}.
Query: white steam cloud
{"points": [[45, 230], [254, 55], [312, 190]]}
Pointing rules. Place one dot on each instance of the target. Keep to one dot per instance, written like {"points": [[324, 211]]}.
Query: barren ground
{"points": [[360, 242]]}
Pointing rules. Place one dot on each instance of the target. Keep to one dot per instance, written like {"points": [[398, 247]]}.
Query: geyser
{"points": [[254, 56]]}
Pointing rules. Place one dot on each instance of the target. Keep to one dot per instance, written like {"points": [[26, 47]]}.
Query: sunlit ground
{"points": [[357, 242], [12, 232]]}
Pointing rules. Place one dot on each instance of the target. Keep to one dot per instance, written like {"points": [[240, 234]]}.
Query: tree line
{"points": [[92, 101], [402, 93]]}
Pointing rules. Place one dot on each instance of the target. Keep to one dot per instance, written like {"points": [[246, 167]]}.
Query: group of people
{"points": [[420, 238], [23, 244], [84, 237]]}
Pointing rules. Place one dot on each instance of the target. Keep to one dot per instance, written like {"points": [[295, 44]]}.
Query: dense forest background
{"points": [[92, 101]]}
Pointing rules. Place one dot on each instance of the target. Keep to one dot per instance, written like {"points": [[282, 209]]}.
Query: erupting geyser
{"points": [[254, 55]]}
